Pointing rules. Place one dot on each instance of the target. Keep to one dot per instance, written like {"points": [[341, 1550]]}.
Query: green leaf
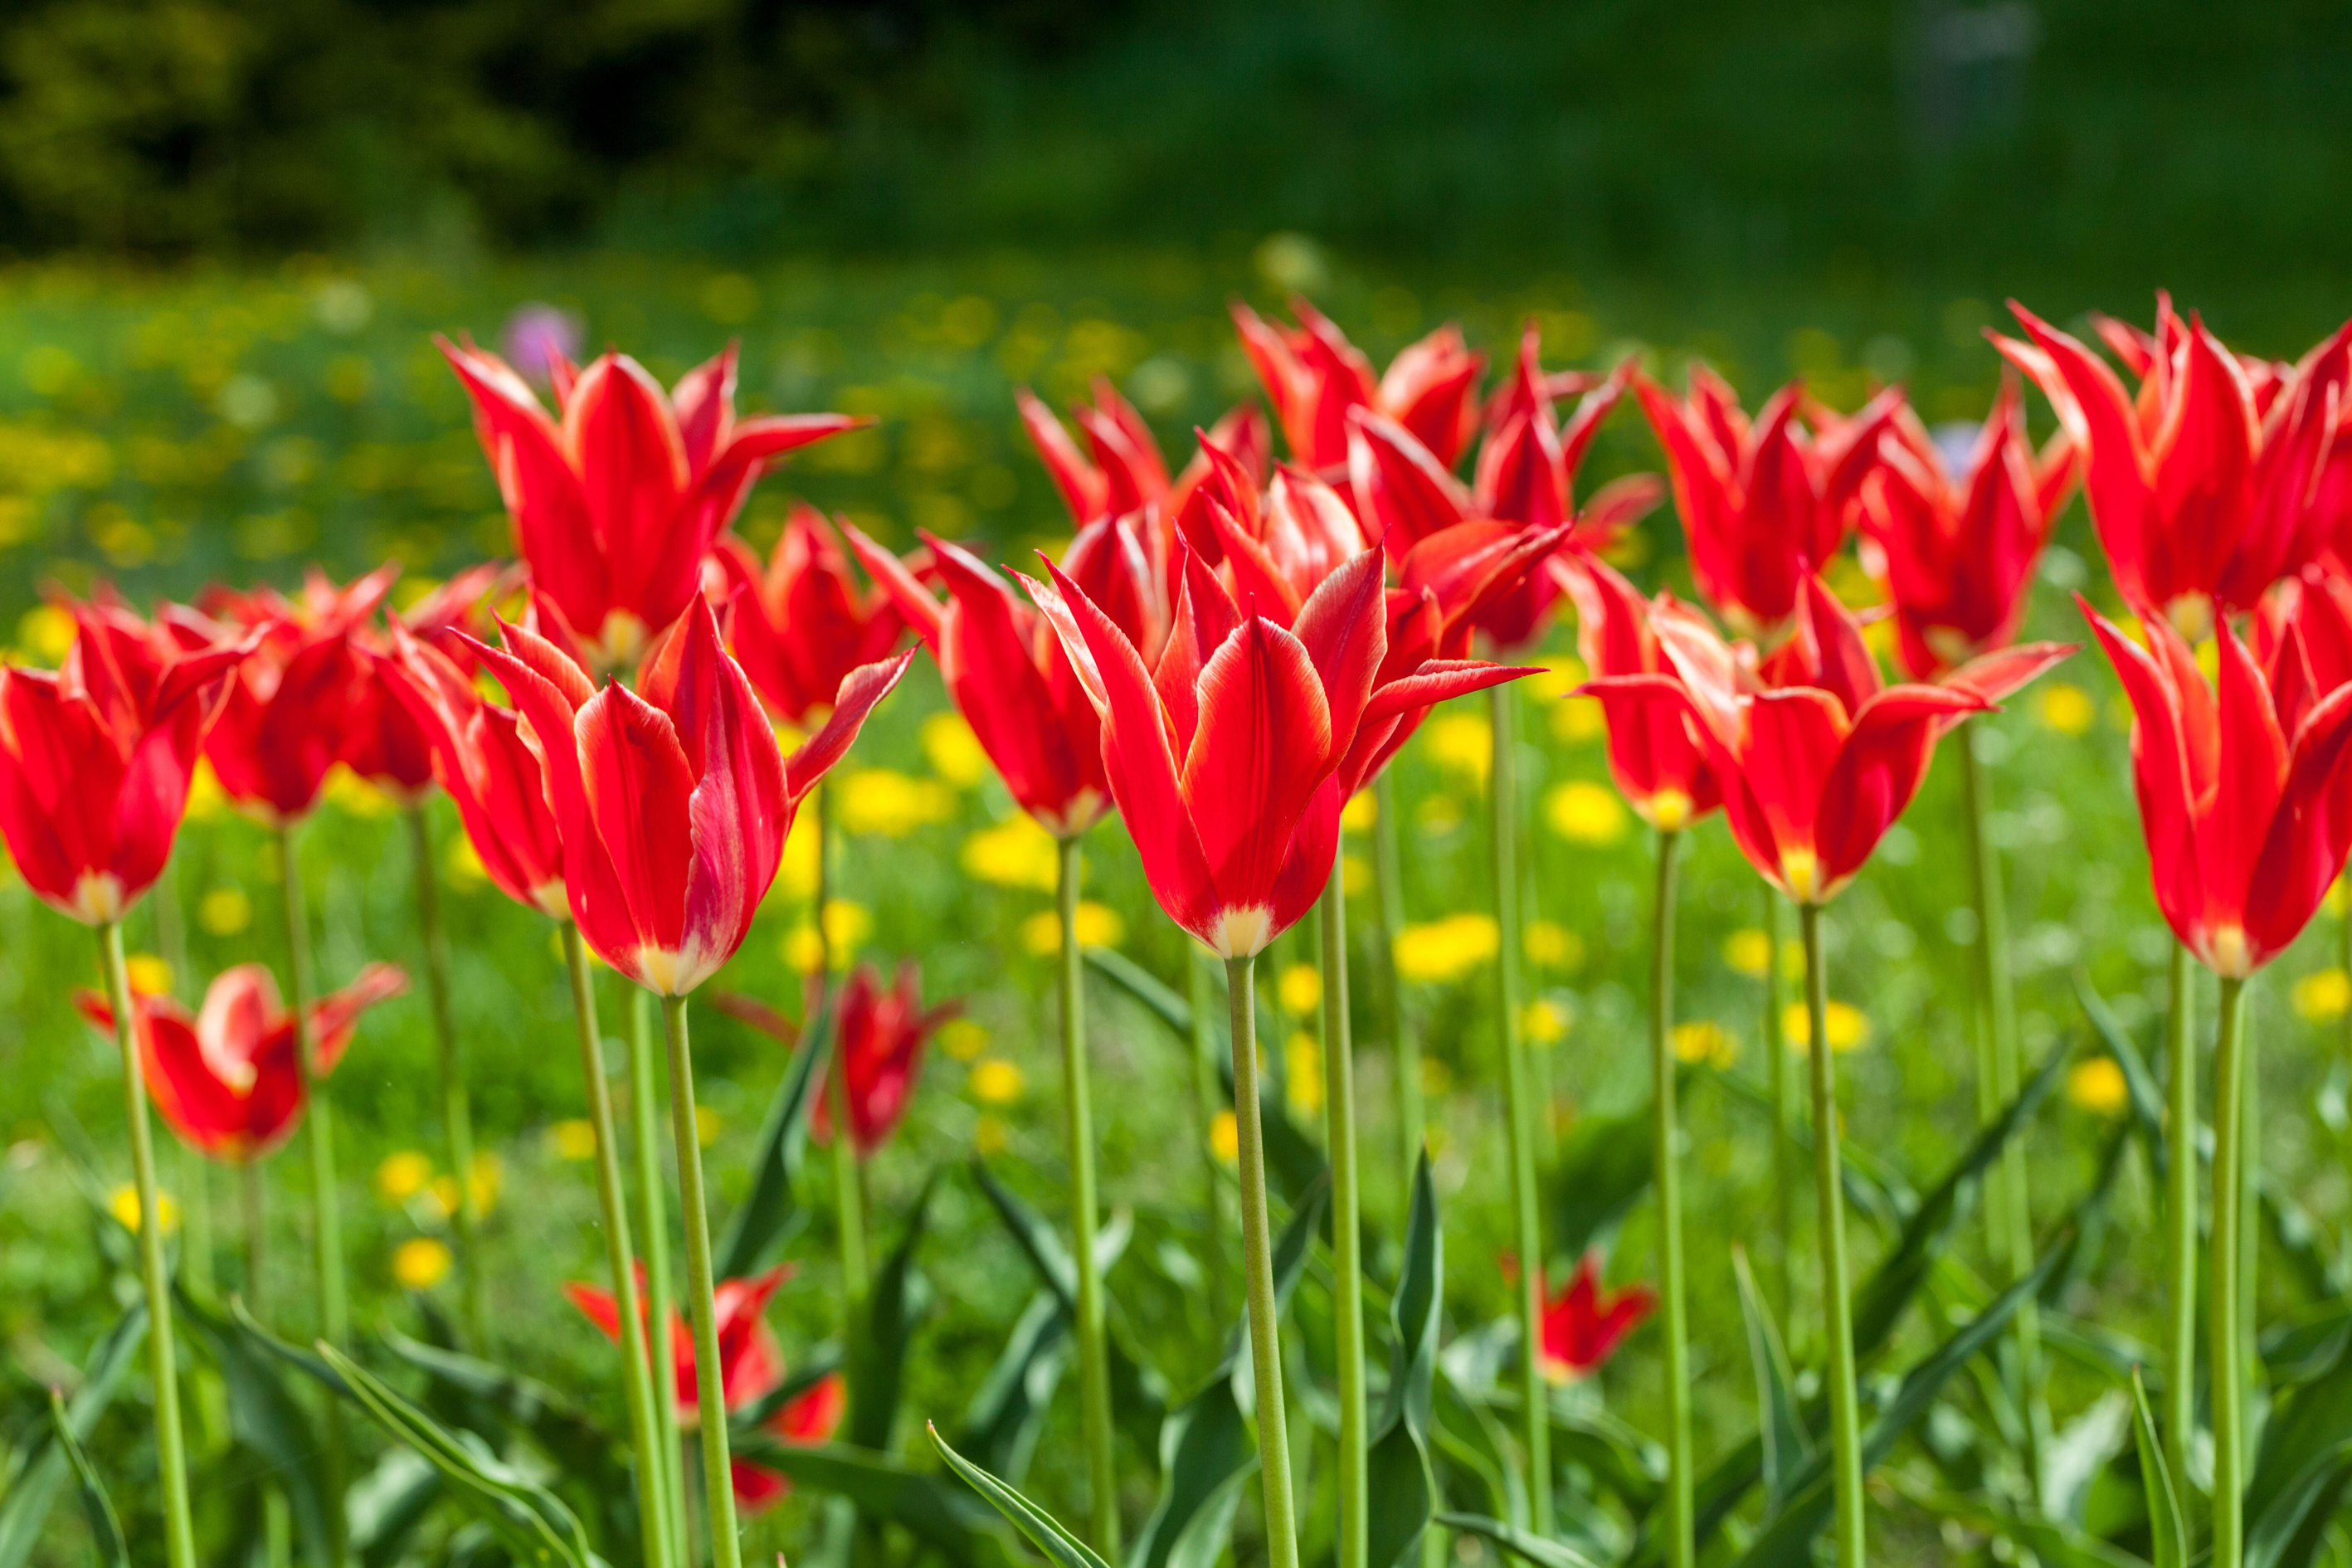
{"points": [[1519, 1542], [2168, 1533], [878, 1348], [1603, 1170], [882, 1489], [1401, 1489], [264, 1416], [105, 1524], [767, 1214], [2298, 1239], [1785, 1445], [2304, 1461], [1008, 1410], [2054, 1543], [385, 1506], [1875, 1191], [585, 1450], [1042, 1530], [1146, 987], [24, 1508]]}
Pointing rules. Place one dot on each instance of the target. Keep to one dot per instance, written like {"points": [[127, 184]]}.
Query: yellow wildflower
{"points": [[403, 1175], [796, 874], [572, 1139], [1355, 874], [123, 1203], [2097, 1085], [347, 792], [224, 911], [708, 1125], [1583, 812], [962, 1039], [46, 631], [150, 976], [1016, 853], [206, 800], [1703, 1040], [888, 805], [1363, 809], [463, 864], [1545, 1021], [1302, 1060], [1578, 720], [1551, 945], [953, 750], [1447, 949], [420, 1263], [1848, 1029], [1226, 1137], [2065, 708], [1462, 743], [2322, 998], [996, 1082], [1098, 925], [1299, 989], [846, 925]]}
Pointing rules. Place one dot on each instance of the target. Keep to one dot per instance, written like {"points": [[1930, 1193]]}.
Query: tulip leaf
{"points": [[2305, 1345], [1205, 1451], [34, 1485], [2054, 1543], [765, 1218], [385, 1506], [881, 1488], [2168, 1532], [1520, 1543], [1401, 1489], [1603, 1170], [264, 1416], [1040, 1529], [1786, 1447], [105, 1524], [878, 1348], [2300, 1468], [1007, 1412]]}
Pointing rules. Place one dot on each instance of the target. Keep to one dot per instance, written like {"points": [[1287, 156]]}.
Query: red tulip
{"points": [[673, 804], [383, 742], [1763, 505], [1959, 554], [1009, 676], [1275, 727], [752, 1365], [2241, 791], [878, 1039], [1658, 752], [486, 763], [802, 624], [1816, 756], [1314, 377], [228, 1081], [2314, 609], [1583, 1326], [616, 498], [289, 711], [2200, 498], [96, 758]]}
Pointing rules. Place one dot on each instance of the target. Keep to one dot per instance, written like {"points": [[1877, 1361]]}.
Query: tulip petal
{"points": [[1263, 746], [2160, 775], [641, 807], [1877, 771], [334, 1017], [860, 690], [2303, 849], [1344, 628]]}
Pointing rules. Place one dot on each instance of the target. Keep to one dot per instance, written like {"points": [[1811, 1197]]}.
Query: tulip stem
{"points": [[326, 1208], [2180, 1216], [1784, 1151], [1666, 1156], [644, 1100], [456, 1114], [709, 1386], [1404, 1041], [1837, 1309], [637, 1372], [2009, 1217], [1519, 1091], [1257, 1264], [171, 1448], [1209, 1096], [1094, 1358], [1347, 1234], [2227, 1355]]}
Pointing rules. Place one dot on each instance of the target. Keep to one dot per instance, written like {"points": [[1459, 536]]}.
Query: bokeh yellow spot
{"points": [[1463, 744], [1436, 1078], [150, 976], [708, 1125], [1098, 925], [46, 631], [420, 1263], [846, 926], [963, 1040], [1583, 812], [953, 750], [883, 804], [123, 1205], [1545, 1021], [1299, 989], [573, 1138], [1551, 945], [224, 911], [207, 801], [2065, 708], [1555, 680], [996, 1081], [1438, 814], [990, 1135], [1302, 1062], [796, 874], [1016, 853], [1703, 1041], [1748, 952], [403, 1175], [1847, 1027], [348, 793], [2322, 998], [2098, 1086], [1226, 1137], [2333, 902], [1578, 720], [1446, 950], [1355, 874], [1362, 810], [463, 864]]}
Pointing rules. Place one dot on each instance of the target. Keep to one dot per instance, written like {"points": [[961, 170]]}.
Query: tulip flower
{"points": [[752, 1367], [2199, 496], [1764, 505], [1121, 471], [879, 1038], [226, 1080], [96, 758], [616, 497], [1583, 1324], [804, 623], [1657, 753], [383, 741], [1315, 377]]}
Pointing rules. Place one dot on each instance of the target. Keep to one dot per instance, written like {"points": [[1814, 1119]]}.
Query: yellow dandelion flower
{"points": [[2066, 709], [2322, 998], [1016, 853], [1299, 989], [1226, 1137], [1098, 925], [1363, 809], [1849, 1029], [953, 750], [996, 1081], [1748, 952], [224, 911], [1545, 1021], [1446, 950], [123, 1205], [2098, 1086], [847, 927], [1355, 874], [350, 793], [420, 1263], [1583, 812], [488, 1180], [2333, 902], [1579, 720], [796, 873], [404, 1176], [1704, 1041], [990, 1135], [963, 1040], [150, 976], [1463, 744], [573, 1138], [1551, 945], [46, 631], [1302, 1060], [207, 801], [883, 804]]}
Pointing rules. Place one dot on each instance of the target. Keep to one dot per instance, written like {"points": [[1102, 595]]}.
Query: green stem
{"points": [[1094, 1358], [653, 1215], [2228, 1356], [637, 1372], [710, 1398], [325, 1202], [1404, 1039], [2180, 1218], [2007, 1210], [1784, 1151], [1667, 1140], [1346, 1232], [1257, 1263], [1837, 1309], [456, 1114], [1518, 1093], [171, 1446], [1209, 1098]]}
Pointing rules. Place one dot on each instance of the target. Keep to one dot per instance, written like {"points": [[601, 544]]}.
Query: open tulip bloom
{"points": [[1121, 471], [617, 496], [878, 1039], [1584, 1322], [1316, 379], [803, 623]]}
